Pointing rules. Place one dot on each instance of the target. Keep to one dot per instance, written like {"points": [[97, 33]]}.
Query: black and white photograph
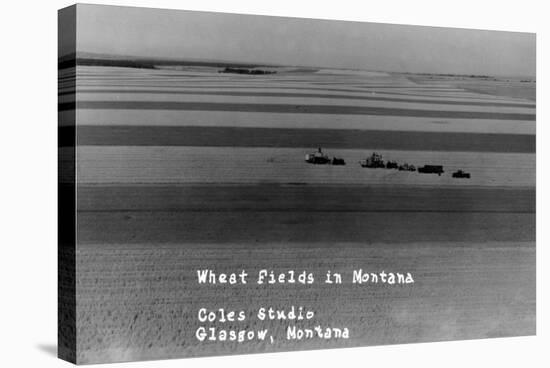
{"points": [[258, 184]]}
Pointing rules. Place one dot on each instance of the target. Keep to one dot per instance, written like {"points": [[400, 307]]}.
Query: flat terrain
{"points": [[303, 197], [188, 169], [515, 87], [273, 214], [140, 301], [279, 137], [277, 165]]}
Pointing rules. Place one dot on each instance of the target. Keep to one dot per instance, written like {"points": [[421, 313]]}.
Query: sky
{"points": [[194, 35]]}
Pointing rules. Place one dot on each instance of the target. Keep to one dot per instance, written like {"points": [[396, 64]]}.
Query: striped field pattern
{"points": [[187, 168]]}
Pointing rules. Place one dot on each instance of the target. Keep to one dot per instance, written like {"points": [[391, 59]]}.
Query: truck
{"points": [[461, 174], [431, 169]]}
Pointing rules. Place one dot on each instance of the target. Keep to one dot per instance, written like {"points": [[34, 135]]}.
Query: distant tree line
{"points": [[246, 71], [72, 60], [127, 63]]}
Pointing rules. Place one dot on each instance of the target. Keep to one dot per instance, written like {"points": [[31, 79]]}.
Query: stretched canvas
{"points": [[234, 184]]}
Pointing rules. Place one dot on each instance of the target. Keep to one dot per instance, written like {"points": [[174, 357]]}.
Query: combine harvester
{"points": [[375, 161]]}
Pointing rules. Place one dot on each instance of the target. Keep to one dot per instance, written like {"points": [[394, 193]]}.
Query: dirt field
{"points": [[331, 138], [276, 165], [331, 97], [291, 198], [515, 87], [188, 169], [471, 253], [141, 301]]}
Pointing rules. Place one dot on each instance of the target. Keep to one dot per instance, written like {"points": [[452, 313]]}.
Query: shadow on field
{"points": [[49, 349]]}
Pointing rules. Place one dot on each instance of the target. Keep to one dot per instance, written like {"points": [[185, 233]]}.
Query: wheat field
{"points": [[183, 169]]}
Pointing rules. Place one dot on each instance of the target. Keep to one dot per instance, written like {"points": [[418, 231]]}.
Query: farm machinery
{"points": [[431, 169], [374, 161], [319, 158], [392, 165], [461, 174], [406, 167]]}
